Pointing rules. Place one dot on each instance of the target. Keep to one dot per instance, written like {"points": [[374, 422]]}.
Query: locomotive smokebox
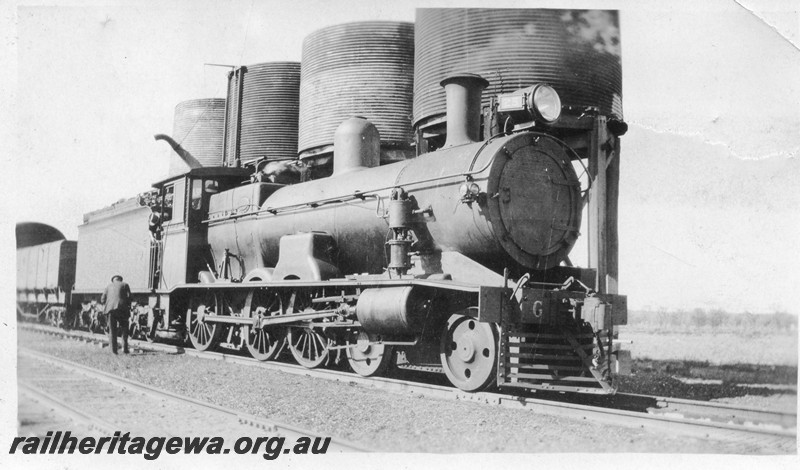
{"points": [[463, 94], [356, 145]]}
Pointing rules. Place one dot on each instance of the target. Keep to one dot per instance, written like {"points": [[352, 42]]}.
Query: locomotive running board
{"points": [[556, 361]]}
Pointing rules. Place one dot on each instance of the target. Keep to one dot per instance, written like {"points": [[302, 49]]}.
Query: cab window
{"points": [[196, 197], [166, 203]]}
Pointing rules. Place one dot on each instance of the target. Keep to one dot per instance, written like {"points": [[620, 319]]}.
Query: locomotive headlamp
{"points": [[469, 192], [539, 102], [546, 103]]}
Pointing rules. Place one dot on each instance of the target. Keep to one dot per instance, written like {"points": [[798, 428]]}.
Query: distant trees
{"points": [[699, 317], [714, 319]]}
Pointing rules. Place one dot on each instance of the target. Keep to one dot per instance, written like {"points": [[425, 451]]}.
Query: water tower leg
{"points": [[603, 207]]}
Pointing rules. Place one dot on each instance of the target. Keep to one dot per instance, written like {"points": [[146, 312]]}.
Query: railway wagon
{"points": [[45, 275]]}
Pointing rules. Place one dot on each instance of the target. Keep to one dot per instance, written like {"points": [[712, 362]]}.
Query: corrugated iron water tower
{"points": [[358, 69], [198, 127], [577, 52], [261, 113]]}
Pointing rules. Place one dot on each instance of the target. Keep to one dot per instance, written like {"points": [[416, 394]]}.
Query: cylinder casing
{"points": [[392, 311]]}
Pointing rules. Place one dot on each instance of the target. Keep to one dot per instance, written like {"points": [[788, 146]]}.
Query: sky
{"points": [[708, 212]]}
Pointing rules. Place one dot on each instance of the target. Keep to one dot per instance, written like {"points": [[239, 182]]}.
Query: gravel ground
{"points": [[718, 383], [387, 421]]}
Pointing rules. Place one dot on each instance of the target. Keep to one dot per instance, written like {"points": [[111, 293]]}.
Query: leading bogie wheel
{"points": [[203, 335], [468, 351], [368, 359]]}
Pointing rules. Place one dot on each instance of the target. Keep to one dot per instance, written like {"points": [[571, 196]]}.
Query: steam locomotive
{"points": [[456, 260]]}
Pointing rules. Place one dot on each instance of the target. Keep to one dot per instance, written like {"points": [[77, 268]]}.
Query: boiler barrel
{"points": [[530, 215]]}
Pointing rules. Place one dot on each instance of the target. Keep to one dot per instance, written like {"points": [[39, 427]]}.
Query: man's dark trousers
{"points": [[118, 324]]}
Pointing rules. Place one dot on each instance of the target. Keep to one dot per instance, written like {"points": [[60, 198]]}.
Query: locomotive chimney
{"points": [[356, 145], [463, 93]]}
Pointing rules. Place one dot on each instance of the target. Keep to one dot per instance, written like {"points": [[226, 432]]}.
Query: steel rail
{"points": [[727, 411], [64, 409], [281, 429], [702, 428]]}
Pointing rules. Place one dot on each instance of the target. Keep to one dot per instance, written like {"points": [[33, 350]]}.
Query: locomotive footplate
{"points": [[557, 360], [562, 307], [563, 341]]}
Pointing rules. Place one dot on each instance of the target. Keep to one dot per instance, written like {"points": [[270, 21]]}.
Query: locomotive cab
{"points": [[181, 252]]}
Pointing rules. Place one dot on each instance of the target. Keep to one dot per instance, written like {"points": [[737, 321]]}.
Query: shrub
{"points": [[717, 317], [699, 318], [679, 318]]}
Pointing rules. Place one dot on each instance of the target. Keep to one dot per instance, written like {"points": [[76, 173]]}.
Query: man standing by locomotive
{"points": [[117, 305]]}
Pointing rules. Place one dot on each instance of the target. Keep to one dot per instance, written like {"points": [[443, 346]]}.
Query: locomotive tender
{"points": [[454, 261]]}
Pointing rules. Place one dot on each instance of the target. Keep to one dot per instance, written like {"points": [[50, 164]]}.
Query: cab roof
{"points": [[204, 172]]}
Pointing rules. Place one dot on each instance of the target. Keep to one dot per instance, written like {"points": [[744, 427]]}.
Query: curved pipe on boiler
{"points": [[185, 155]]}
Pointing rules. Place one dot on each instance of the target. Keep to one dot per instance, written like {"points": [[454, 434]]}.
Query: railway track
{"points": [[742, 415], [772, 429], [108, 403]]}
